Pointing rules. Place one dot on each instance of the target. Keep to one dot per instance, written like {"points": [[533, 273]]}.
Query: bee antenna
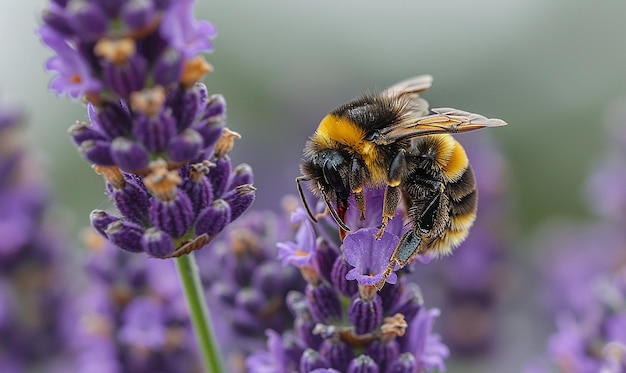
{"points": [[303, 198]]}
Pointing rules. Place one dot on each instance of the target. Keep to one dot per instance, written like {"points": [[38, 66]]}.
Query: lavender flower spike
{"points": [[351, 328]]}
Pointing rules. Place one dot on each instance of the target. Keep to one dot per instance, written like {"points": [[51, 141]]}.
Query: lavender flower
{"points": [[343, 325], [33, 290], [155, 133], [131, 315]]}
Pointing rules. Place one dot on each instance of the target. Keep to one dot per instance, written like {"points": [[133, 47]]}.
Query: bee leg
{"points": [[360, 204], [392, 193], [397, 168], [390, 204], [357, 180], [407, 249]]}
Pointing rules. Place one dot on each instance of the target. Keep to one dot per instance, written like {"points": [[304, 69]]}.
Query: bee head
{"points": [[330, 173]]}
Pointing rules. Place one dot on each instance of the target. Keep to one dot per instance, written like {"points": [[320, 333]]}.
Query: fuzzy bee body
{"points": [[393, 140]]}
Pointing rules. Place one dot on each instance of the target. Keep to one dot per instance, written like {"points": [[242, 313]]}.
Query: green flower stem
{"points": [[200, 319]]}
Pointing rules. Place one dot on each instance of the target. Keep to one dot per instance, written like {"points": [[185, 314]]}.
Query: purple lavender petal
{"points": [[369, 256], [74, 74], [301, 252], [183, 32]]}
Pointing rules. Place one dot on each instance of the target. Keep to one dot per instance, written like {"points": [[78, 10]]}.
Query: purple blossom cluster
{"points": [[342, 322], [131, 317], [155, 133], [33, 295]]}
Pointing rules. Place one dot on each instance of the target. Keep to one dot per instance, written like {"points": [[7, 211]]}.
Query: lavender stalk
{"points": [[198, 311]]}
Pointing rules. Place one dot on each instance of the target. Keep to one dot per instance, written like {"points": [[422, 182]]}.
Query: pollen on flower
{"points": [[194, 70], [393, 326], [198, 170], [162, 182], [112, 174], [116, 51], [76, 79], [226, 142], [148, 101]]}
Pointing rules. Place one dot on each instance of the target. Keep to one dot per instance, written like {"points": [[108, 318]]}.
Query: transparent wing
{"points": [[441, 120], [412, 86]]}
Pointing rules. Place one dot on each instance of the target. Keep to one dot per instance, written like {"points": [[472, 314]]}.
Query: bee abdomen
{"points": [[463, 201]]}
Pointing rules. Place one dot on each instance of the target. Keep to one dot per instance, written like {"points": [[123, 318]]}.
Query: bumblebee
{"points": [[393, 140]]}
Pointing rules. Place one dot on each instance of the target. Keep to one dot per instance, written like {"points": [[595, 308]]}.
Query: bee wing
{"points": [[441, 120], [412, 86]]}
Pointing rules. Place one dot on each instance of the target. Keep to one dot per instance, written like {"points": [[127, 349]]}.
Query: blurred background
{"points": [[552, 70]]}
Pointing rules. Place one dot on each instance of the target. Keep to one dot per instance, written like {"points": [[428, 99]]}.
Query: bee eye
{"points": [[332, 175]]}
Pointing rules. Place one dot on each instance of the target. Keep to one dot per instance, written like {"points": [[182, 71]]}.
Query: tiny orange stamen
{"points": [[194, 70]]}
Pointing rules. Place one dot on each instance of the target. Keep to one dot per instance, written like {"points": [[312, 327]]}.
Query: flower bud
{"points": [[383, 352], [88, 19], [185, 147], [240, 200], [338, 277], [168, 68], [126, 235], [173, 217], [132, 201], [406, 363], [113, 119], [242, 174], [97, 152], [337, 353], [312, 360], [323, 302], [220, 175], [365, 315], [213, 219], [154, 133], [127, 77], [364, 364], [128, 155], [80, 132], [157, 243], [101, 219], [137, 14]]}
